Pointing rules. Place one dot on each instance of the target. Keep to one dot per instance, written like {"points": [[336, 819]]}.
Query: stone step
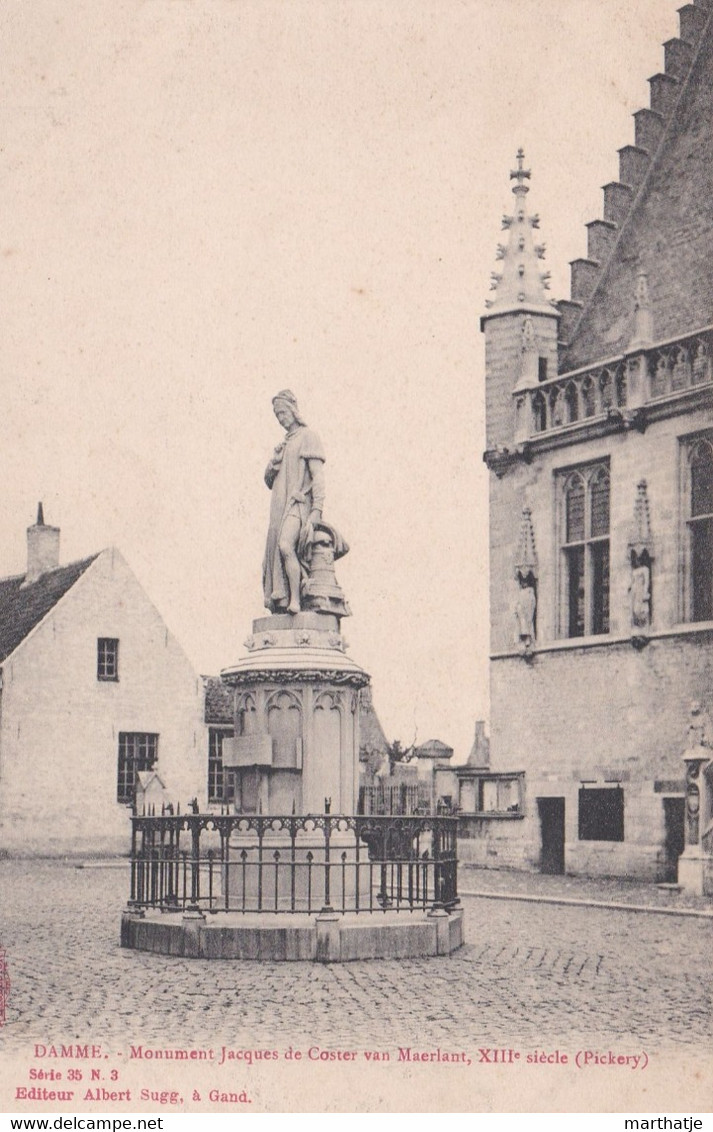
{"points": [[633, 163], [692, 18], [584, 277], [617, 201], [601, 237], [648, 129], [678, 56], [664, 92], [570, 312]]}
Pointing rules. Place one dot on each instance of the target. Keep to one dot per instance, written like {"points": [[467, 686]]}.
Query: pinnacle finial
{"points": [[40, 515], [521, 174], [520, 281]]}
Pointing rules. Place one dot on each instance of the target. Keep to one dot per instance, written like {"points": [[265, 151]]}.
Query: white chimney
{"points": [[42, 548]]}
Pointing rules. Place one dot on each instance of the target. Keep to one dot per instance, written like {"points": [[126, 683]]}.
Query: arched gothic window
{"points": [[539, 412], [247, 717], [621, 386], [606, 391], [571, 398], [700, 525], [585, 551], [589, 407]]}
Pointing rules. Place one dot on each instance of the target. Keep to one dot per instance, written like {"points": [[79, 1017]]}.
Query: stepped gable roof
{"points": [[218, 699], [22, 608], [657, 218]]}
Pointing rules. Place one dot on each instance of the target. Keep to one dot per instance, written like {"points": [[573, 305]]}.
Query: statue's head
{"points": [[286, 409]]}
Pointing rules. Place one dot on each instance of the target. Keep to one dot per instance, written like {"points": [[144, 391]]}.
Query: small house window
{"points": [[107, 658], [601, 813], [137, 751], [221, 786]]}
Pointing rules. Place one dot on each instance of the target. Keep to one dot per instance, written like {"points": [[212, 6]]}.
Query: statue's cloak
{"points": [[289, 477]]}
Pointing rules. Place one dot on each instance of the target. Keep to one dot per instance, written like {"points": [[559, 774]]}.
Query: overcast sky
{"points": [[205, 201]]}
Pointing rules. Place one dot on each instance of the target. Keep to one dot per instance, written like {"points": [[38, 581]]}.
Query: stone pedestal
{"points": [[694, 864], [276, 874], [296, 745], [692, 867]]}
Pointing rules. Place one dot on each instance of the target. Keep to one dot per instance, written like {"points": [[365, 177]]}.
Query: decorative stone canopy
{"points": [[526, 556], [640, 539]]}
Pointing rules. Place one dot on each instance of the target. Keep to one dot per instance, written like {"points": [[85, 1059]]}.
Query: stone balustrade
{"points": [[615, 388]]}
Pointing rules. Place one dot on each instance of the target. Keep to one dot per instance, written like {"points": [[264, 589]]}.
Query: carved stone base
{"points": [[296, 717]]}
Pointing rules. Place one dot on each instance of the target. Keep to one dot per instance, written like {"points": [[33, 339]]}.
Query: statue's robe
{"points": [[288, 477]]}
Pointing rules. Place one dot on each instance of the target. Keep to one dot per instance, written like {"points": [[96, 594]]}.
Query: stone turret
{"points": [[520, 325]]}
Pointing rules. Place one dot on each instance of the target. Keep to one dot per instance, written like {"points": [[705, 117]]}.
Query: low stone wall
{"points": [[493, 843], [327, 938]]}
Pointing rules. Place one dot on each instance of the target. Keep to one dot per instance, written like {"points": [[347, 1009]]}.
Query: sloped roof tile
{"points": [[218, 700], [21, 609]]}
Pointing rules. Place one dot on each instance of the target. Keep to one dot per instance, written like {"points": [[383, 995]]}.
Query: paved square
{"points": [[529, 973]]}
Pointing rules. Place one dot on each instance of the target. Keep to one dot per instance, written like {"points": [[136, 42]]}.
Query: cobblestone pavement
{"points": [[529, 973]]}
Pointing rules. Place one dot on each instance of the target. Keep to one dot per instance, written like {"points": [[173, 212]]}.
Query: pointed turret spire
{"points": [[40, 515], [520, 283]]}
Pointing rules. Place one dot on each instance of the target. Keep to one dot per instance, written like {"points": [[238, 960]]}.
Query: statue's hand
{"points": [[315, 516]]}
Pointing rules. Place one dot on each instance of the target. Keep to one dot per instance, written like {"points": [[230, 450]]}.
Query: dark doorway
{"points": [[551, 812], [674, 812]]}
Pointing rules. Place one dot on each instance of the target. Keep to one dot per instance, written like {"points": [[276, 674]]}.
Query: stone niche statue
{"points": [[640, 591], [698, 753], [641, 550], [298, 569], [525, 610], [699, 735], [525, 607]]}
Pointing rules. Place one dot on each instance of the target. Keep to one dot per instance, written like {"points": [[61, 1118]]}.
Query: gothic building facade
{"points": [[600, 452]]}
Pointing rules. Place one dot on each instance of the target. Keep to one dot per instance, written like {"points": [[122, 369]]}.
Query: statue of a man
{"points": [[295, 476], [525, 609]]}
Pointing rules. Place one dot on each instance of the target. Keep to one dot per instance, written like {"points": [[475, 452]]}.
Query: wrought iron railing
{"points": [[669, 368], [299, 863], [401, 798]]}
